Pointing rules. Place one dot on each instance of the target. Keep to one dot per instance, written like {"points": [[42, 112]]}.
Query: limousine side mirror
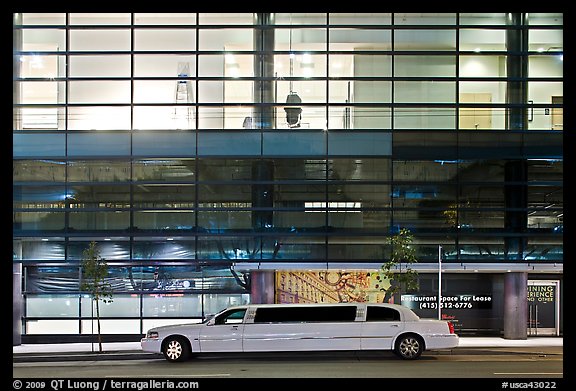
{"points": [[211, 322]]}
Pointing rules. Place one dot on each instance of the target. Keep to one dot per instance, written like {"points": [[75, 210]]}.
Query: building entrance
{"points": [[543, 307]]}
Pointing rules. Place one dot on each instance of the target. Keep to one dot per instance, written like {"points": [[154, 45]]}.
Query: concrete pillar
{"points": [[17, 304], [262, 286], [515, 305]]}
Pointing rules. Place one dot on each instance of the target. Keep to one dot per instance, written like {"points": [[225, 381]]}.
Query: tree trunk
{"points": [[98, 320]]}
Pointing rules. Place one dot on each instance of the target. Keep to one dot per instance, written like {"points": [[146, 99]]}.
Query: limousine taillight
{"points": [[451, 327]]}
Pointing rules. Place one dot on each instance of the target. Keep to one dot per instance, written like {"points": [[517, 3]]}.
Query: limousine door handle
{"points": [[234, 327], [394, 325]]}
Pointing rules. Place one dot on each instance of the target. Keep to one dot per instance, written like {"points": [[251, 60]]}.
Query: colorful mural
{"points": [[330, 287]]}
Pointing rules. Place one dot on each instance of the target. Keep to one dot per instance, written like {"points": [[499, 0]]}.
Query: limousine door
{"points": [[381, 326], [224, 332]]}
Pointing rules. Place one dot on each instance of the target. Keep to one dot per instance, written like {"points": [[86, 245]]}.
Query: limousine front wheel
{"points": [[176, 349], [409, 347]]}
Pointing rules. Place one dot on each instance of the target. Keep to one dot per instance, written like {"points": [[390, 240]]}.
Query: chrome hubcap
{"points": [[174, 350], [409, 347]]}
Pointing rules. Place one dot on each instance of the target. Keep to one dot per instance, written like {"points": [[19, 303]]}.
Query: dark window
{"points": [[382, 314], [306, 314]]}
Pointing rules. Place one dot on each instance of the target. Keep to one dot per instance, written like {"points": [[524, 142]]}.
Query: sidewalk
{"points": [[134, 347]]}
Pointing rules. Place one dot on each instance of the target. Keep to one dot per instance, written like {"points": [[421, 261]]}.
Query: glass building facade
{"points": [[198, 149]]}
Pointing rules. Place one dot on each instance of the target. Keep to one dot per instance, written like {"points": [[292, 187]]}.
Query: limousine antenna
{"points": [[439, 282]]}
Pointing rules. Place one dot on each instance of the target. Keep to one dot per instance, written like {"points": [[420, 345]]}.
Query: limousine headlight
{"points": [[152, 335]]}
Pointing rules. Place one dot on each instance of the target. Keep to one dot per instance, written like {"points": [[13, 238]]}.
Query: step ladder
{"points": [[184, 116]]}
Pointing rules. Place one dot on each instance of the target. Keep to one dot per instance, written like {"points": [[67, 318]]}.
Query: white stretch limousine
{"points": [[304, 327]]}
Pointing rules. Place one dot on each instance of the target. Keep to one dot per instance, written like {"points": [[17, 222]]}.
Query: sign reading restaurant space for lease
{"points": [[452, 301]]}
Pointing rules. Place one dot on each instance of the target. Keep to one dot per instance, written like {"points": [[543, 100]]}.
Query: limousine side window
{"points": [[232, 316], [382, 314], [305, 314]]}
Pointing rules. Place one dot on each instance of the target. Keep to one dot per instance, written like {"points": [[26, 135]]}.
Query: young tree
{"points": [[403, 256], [94, 273]]}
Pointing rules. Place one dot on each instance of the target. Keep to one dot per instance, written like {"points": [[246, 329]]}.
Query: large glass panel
{"points": [[124, 306], [359, 169], [98, 144], [168, 305], [297, 169], [99, 18], [296, 65], [164, 65], [99, 40], [160, 248], [38, 170], [481, 170], [214, 193], [229, 18], [544, 249], [39, 196], [165, 39], [226, 39], [230, 91], [298, 195], [226, 65], [65, 306], [424, 18], [42, 65], [424, 39], [165, 196], [164, 117], [38, 221], [96, 221], [361, 91], [111, 326], [43, 249], [546, 65], [300, 18], [545, 40], [482, 66], [545, 170], [482, 18], [481, 40], [111, 249], [360, 18], [480, 219], [548, 18], [425, 171], [345, 117], [424, 65], [481, 249], [99, 66], [293, 248], [364, 220], [45, 18], [420, 220], [225, 169], [360, 39], [41, 92], [424, 118], [357, 196], [44, 40], [224, 220], [52, 279], [164, 170], [99, 118], [485, 195], [300, 39], [98, 196], [424, 92], [164, 220], [297, 220], [357, 248], [180, 18], [418, 145], [423, 195], [60, 326], [359, 65], [99, 91], [98, 171]]}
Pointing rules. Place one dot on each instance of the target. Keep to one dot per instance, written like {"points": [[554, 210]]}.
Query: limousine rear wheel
{"points": [[176, 349], [409, 347]]}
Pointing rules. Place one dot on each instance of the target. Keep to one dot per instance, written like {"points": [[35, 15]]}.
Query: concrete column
{"points": [[515, 305], [262, 286], [17, 303]]}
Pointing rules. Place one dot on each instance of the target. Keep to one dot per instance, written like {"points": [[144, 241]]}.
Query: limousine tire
{"points": [[176, 349], [409, 346]]}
